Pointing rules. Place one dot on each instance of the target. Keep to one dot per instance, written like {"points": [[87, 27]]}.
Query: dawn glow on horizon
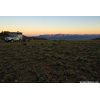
{"points": [[37, 25]]}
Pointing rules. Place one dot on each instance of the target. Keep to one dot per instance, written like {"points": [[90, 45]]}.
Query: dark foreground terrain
{"points": [[50, 61]]}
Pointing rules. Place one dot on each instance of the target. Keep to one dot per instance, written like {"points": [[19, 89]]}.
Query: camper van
{"points": [[14, 36]]}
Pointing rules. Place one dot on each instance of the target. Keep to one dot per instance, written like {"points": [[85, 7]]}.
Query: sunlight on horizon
{"points": [[38, 25]]}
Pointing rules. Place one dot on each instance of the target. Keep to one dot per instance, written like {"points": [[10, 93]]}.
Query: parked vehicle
{"points": [[14, 36]]}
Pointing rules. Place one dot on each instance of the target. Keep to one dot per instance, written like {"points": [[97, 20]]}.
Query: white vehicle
{"points": [[14, 36]]}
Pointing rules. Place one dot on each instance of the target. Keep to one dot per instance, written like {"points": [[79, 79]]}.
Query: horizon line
{"points": [[30, 34]]}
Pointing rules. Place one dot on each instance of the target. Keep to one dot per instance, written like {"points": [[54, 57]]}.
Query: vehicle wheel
{"points": [[12, 40]]}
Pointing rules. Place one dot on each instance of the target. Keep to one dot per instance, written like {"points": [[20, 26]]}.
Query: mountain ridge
{"points": [[69, 36]]}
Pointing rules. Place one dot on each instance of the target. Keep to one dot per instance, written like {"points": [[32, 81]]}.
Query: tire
{"points": [[12, 40]]}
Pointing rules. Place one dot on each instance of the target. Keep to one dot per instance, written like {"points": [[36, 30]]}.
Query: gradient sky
{"points": [[36, 25]]}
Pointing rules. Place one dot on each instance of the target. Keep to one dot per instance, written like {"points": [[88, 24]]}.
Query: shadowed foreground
{"points": [[50, 61]]}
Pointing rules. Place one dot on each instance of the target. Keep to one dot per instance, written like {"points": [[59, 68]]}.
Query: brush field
{"points": [[45, 61]]}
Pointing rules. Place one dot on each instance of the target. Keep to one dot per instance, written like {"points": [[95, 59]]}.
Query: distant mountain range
{"points": [[33, 38], [69, 37]]}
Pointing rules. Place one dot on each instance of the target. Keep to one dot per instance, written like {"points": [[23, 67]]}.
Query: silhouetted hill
{"points": [[32, 38], [70, 37], [96, 39]]}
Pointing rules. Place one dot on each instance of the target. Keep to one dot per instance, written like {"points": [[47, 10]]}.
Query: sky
{"points": [[37, 25]]}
